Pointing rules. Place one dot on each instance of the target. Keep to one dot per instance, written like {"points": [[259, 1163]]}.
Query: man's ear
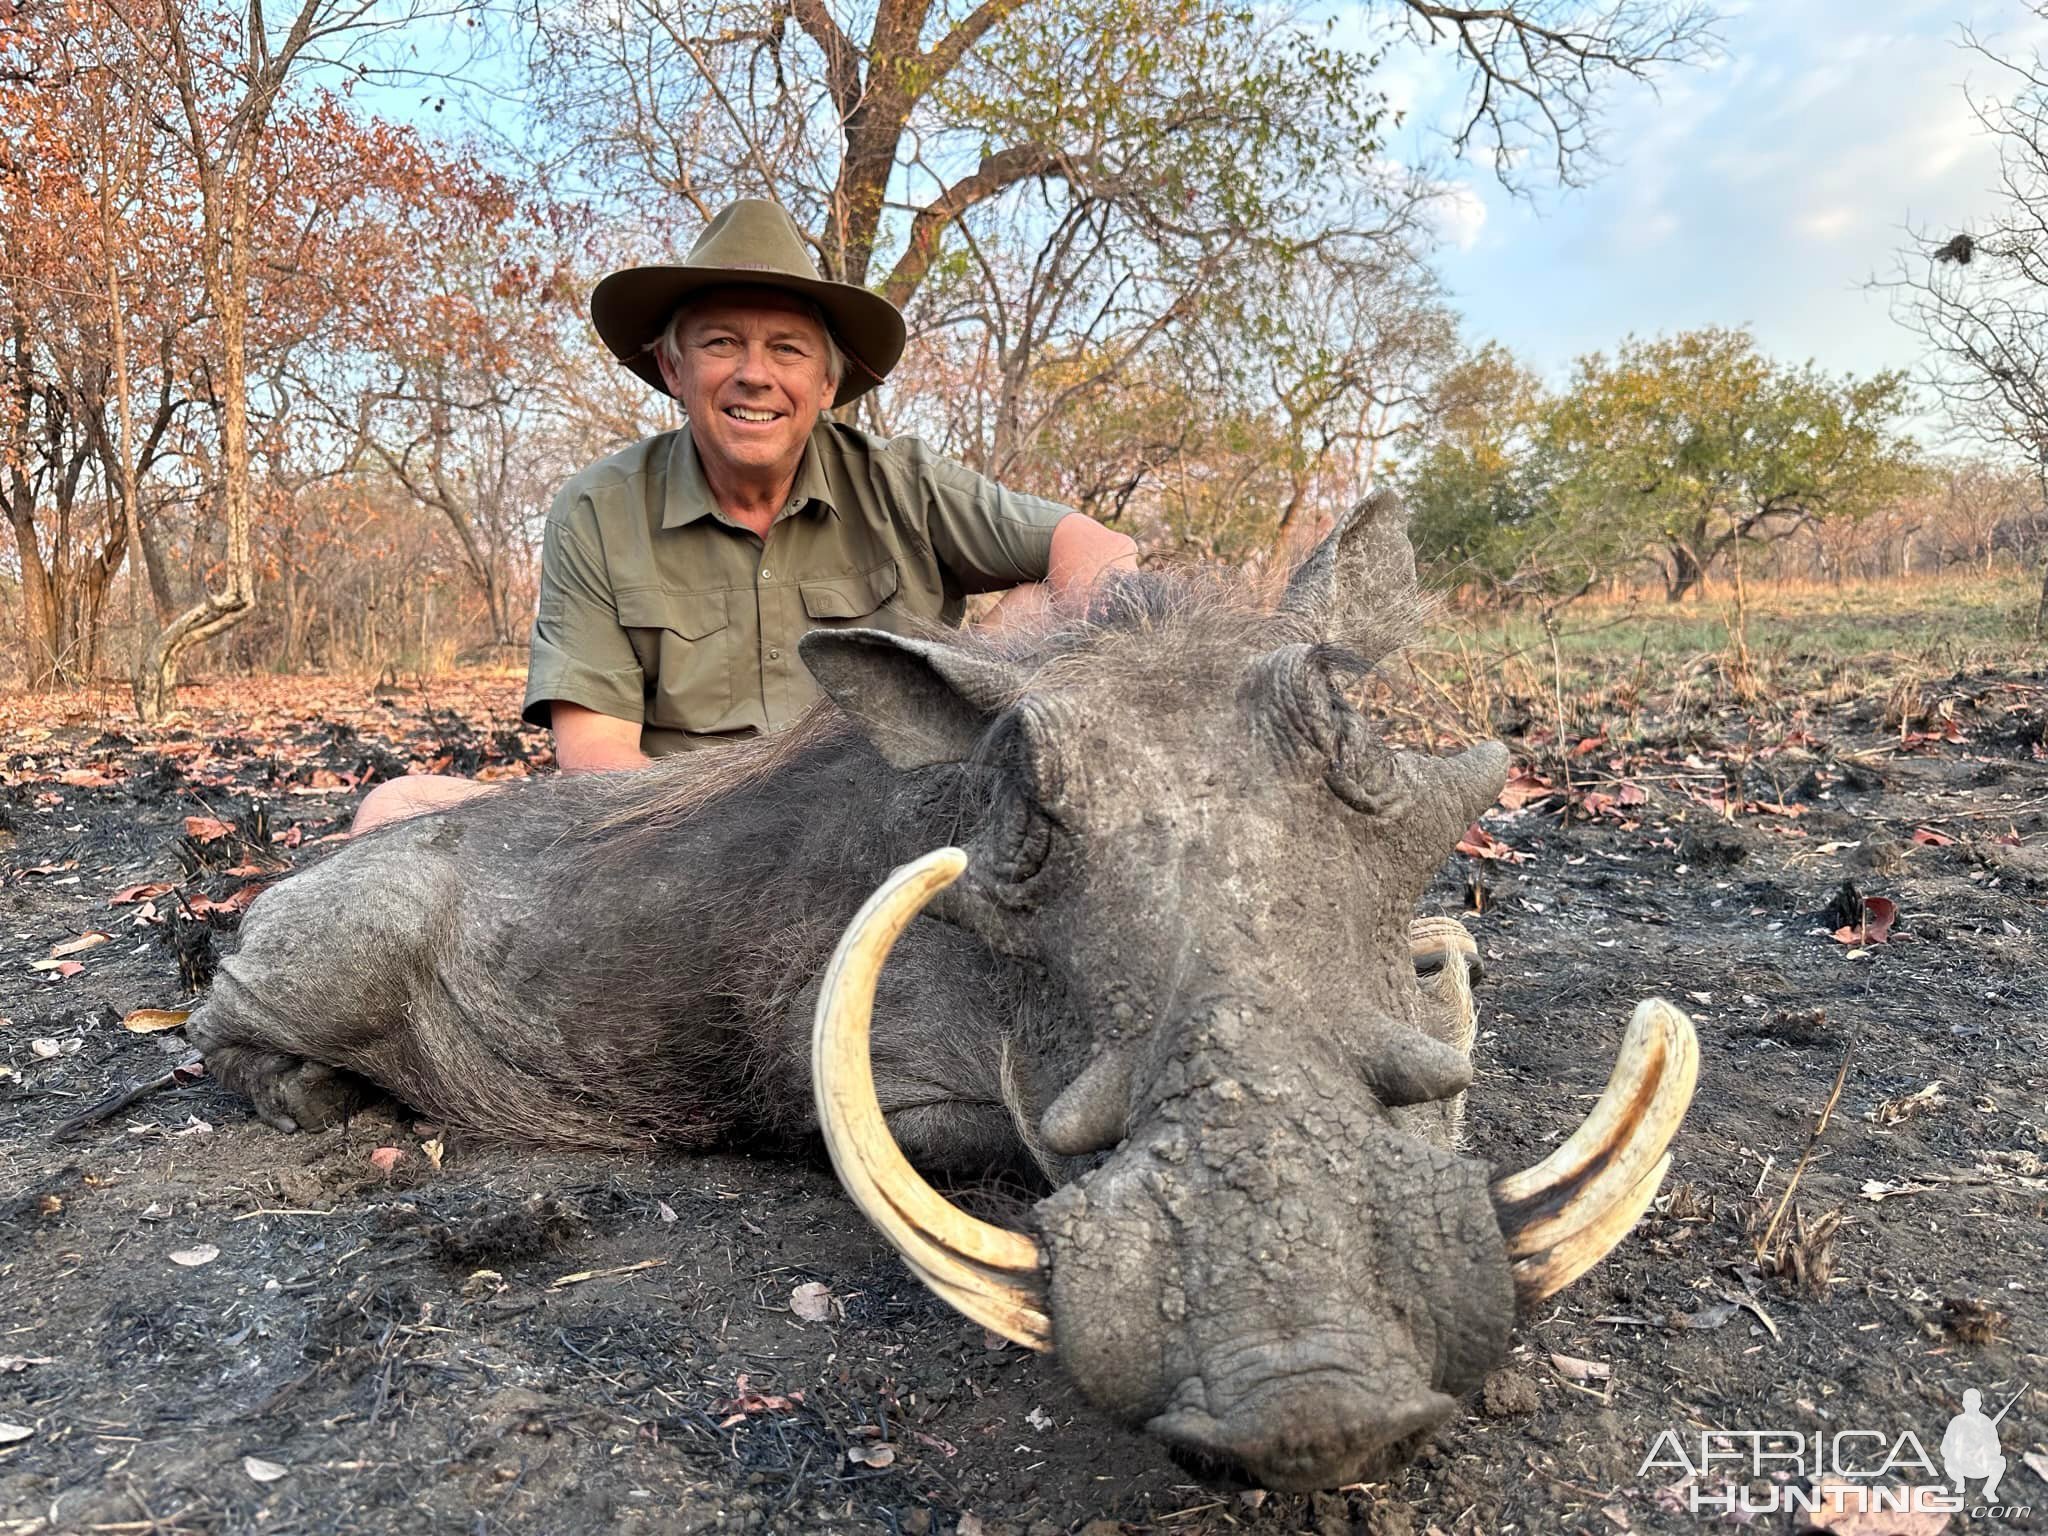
{"points": [[1358, 586], [919, 701]]}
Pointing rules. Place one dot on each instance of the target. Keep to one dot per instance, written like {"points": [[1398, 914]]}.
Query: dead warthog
{"points": [[1168, 956]]}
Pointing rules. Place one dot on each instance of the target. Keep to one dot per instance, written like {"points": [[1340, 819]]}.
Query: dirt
{"points": [[404, 1330]]}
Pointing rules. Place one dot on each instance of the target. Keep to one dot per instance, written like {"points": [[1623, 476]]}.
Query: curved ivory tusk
{"points": [[1562, 1216], [988, 1272]]}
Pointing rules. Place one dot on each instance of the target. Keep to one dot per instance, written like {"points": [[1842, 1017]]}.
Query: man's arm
{"points": [[1083, 551], [588, 742]]}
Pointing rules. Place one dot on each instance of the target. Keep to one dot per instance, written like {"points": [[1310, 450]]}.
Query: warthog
{"points": [[1168, 957]]}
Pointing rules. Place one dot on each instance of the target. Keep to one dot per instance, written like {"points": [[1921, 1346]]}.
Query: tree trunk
{"points": [[2041, 605], [216, 613], [1684, 575]]}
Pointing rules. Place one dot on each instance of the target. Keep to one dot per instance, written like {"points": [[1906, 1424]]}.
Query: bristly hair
{"points": [[1149, 613]]}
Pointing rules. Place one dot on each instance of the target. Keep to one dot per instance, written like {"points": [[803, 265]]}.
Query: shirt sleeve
{"points": [[988, 537], [580, 654]]}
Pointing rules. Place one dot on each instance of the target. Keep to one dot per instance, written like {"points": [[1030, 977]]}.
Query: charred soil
{"points": [[208, 1327]]}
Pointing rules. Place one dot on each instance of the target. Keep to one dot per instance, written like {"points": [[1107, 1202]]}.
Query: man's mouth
{"points": [[748, 413]]}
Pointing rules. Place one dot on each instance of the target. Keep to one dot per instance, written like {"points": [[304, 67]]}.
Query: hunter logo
{"points": [[1742, 1472]]}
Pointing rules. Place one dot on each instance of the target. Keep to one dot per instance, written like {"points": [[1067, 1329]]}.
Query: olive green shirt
{"points": [[656, 607]]}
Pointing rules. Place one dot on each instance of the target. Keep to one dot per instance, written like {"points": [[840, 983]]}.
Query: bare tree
{"points": [[1979, 296]]}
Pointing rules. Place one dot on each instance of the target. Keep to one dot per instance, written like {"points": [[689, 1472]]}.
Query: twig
{"points": [[1834, 1096], [190, 1070]]}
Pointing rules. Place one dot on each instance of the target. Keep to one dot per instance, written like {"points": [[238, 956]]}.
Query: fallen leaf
{"points": [[55, 969], [207, 829], [871, 1455], [1927, 837], [147, 1021], [1038, 1419], [1879, 912], [92, 938], [1524, 786], [263, 1471], [13, 1434], [970, 1525], [192, 1258], [9, 1364], [86, 778], [1617, 1513], [1878, 1189], [1709, 1317], [51, 869], [812, 1302], [1839, 1507], [46, 1048], [136, 893], [2038, 1462], [1482, 844], [386, 1159], [433, 1150], [1574, 1369]]}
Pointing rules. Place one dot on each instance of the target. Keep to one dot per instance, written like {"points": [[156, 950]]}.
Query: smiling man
{"points": [[678, 575]]}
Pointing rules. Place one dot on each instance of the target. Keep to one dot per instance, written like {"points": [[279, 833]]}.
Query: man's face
{"points": [[752, 378]]}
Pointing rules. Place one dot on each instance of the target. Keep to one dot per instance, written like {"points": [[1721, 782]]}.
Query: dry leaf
{"points": [[812, 1302], [1879, 913], [206, 829], [9, 1364], [433, 1150], [386, 1159], [970, 1525], [1840, 1510], [871, 1455], [147, 1021], [13, 1434], [92, 938], [263, 1471], [46, 1048], [56, 970], [1878, 1189], [136, 893], [192, 1258], [1574, 1369]]}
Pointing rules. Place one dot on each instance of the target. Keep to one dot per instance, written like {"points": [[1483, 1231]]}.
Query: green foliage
{"points": [[1685, 445], [1679, 448]]}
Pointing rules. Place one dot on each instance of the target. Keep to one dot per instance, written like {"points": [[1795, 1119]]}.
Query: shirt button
{"points": [[765, 573], [774, 655]]}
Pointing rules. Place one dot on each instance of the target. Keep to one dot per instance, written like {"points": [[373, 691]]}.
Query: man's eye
{"points": [[719, 344]]}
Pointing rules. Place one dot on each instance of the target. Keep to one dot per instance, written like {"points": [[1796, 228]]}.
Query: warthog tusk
{"points": [[1562, 1216], [990, 1273]]}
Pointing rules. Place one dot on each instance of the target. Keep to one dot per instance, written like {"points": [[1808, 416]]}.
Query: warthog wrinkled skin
{"points": [[1180, 940]]}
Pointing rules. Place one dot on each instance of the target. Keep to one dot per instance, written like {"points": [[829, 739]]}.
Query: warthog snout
{"points": [[1269, 1272]]}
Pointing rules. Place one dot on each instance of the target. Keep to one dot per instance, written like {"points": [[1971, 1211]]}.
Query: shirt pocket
{"points": [[685, 643], [849, 602]]}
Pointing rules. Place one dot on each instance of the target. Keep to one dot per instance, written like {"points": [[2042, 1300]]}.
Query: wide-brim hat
{"points": [[755, 243]]}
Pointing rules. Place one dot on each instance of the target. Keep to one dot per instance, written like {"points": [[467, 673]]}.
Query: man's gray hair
{"points": [[670, 347]]}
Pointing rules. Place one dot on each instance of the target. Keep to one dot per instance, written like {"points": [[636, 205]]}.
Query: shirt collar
{"points": [[689, 498]]}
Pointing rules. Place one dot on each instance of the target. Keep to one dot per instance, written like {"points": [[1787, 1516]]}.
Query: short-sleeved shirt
{"points": [[654, 606]]}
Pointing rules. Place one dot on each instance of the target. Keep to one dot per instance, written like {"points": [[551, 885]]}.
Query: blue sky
{"points": [[1763, 190]]}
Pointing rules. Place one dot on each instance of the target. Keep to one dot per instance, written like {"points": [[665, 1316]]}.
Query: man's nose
{"points": [[753, 368]]}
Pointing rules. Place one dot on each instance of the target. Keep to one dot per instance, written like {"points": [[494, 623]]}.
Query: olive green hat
{"points": [[756, 243]]}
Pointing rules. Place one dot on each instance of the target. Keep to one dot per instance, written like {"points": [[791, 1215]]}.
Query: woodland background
{"points": [[287, 383]]}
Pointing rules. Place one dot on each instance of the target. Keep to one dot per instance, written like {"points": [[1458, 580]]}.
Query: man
{"points": [[678, 574]]}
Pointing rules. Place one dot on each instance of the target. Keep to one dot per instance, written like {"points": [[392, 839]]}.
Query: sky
{"points": [[1763, 190]]}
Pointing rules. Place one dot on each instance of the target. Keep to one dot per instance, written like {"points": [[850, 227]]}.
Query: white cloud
{"points": [[1459, 214]]}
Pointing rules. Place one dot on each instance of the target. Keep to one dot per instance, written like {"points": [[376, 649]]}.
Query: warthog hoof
{"points": [[290, 1093]]}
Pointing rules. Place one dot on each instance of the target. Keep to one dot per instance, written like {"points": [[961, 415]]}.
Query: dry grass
{"points": [[1481, 671]]}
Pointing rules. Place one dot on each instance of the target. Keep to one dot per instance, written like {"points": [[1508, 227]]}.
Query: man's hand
{"points": [[588, 742]]}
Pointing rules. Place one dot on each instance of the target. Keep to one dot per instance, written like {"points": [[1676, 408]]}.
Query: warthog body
{"points": [[1180, 939]]}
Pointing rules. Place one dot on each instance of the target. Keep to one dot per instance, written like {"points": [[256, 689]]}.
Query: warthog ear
{"points": [[919, 701], [1358, 587]]}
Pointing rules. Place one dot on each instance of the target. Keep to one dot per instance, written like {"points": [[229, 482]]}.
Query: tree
{"points": [[1690, 445], [1482, 487], [1979, 296], [1061, 193]]}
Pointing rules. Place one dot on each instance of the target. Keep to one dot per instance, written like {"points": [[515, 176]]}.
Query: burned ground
{"points": [[392, 1328]]}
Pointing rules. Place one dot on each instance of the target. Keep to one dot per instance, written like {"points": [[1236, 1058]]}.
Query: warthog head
{"points": [[1281, 1268]]}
